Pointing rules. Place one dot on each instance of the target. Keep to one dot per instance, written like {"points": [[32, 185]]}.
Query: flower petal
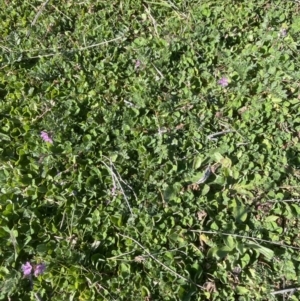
{"points": [[27, 268], [39, 269]]}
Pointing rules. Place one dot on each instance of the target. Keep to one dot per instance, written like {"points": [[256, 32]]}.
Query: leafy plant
{"points": [[149, 150]]}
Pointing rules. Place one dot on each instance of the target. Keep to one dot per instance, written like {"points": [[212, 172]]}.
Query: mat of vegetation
{"points": [[149, 150]]}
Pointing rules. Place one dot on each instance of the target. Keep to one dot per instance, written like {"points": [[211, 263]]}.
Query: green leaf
{"points": [[226, 162], [218, 157], [245, 260], [271, 218], [4, 137], [229, 242], [197, 162], [219, 252], [205, 189], [240, 213], [268, 253], [241, 290], [42, 248]]}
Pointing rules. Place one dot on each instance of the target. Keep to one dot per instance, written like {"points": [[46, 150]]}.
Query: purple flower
{"points": [[46, 137], [27, 268], [283, 32], [137, 64], [39, 269], [223, 82]]}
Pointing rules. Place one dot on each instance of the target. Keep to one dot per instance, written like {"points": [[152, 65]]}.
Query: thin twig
{"points": [[289, 186], [60, 52], [205, 175], [160, 74], [247, 237], [130, 104], [114, 167], [157, 253], [113, 190], [67, 51], [287, 290], [39, 12], [124, 181], [61, 12], [120, 186], [163, 265], [283, 201], [37, 297], [62, 221], [152, 19], [211, 136], [44, 113], [118, 256], [242, 143], [37, 16]]}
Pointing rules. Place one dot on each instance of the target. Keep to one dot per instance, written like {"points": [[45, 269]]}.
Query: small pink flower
{"points": [[46, 137], [283, 32], [39, 269], [27, 268], [137, 64], [223, 82]]}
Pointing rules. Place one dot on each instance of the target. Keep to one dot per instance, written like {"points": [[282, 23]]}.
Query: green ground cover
{"points": [[149, 150]]}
